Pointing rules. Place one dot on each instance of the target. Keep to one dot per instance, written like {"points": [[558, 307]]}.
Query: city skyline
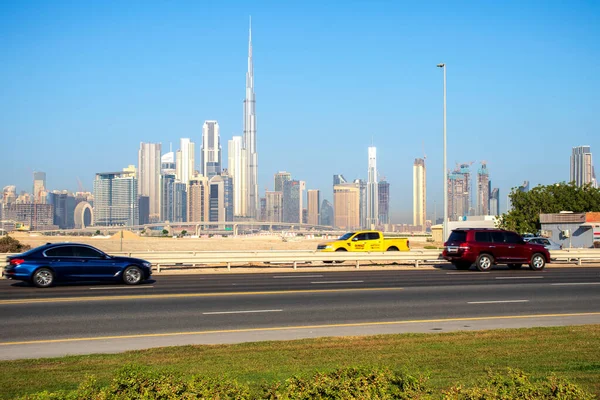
{"points": [[117, 110]]}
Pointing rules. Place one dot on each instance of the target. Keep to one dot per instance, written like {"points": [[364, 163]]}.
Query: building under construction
{"points": [[483, 190], [459, 192]]}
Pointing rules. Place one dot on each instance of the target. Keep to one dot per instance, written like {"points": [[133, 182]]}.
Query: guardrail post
{"points": [[417, 263], [579, 261], [357, 264], [295, 265], [158, 268], [228, 266]]}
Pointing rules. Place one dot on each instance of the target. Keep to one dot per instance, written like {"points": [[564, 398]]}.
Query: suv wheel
{"points": [[484, 262], [515, 266], [538, 262]]}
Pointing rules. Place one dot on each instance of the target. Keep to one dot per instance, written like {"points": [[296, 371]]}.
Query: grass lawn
{"points": [[571, 352]]}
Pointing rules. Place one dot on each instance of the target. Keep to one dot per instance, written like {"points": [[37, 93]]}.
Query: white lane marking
{"points": [[575, 283], [497, 301], [519, 277], [325, 282], [465, 273], [298, 276], [240, 312], [120, 287]]}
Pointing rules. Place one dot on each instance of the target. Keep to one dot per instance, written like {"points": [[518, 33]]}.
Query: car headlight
{"points": [[329, 247], [147, 264]]}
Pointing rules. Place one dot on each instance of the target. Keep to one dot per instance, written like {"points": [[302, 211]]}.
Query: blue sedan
{"points": [[55, 262]]}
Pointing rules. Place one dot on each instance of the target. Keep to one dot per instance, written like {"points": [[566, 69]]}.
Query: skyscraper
{"points": [[116, 199], [313, 198], [361, 184], [384, 202], [167, 163], [459, 192], [210, 151], [149, 165], [293, 193], [582, 168], [327, 214], [39, 186], [274, 206], [483, 190], [185, 160], [249, 138], [198, 200], [216, 207], [280, 178], [419, 193], [346, 206], [236, 165], [372, 197], [495, 202], [173, 199]]}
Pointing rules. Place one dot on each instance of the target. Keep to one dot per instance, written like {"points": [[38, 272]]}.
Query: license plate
{"points": [[453, 249]]}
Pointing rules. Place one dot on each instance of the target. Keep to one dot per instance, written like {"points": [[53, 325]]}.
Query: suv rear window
{"points": [[458, 236], [483, 237]]}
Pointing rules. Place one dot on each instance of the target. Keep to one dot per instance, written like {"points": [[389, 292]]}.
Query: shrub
{"points": [[514, 384], [429, 247], [597, 245], [12, 245]]}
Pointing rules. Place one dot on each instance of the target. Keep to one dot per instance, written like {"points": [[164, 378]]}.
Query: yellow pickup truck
{"points": [[365, 241]]}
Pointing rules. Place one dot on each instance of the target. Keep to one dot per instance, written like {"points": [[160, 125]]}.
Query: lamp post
{"points": [[445, 224]]}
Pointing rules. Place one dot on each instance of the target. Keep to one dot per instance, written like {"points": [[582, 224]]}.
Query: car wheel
{"points": [[340, 249], [43, 278], [515, 266], [538, 262], [393, 248], [462, 266], [484, 262], [132, 275]]}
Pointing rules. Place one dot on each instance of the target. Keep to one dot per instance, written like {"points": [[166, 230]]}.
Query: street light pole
{"points": [[445, 223]]}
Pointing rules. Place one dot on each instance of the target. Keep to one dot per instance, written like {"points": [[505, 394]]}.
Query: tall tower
{"points": [[419, 192], [236, 166], [149, 163], [249, 137], [211, 149], [372, 197], [39, 186], [582, 169], [483, 190], [185, 160]]}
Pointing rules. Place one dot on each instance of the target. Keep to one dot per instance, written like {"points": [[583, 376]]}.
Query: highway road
{"points": [[231, 308]]}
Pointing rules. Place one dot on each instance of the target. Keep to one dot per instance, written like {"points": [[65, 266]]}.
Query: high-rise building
{"points": [[361, 184], [249, 137], [582, 168], [216, 207], [293, 193], [210, 151], [495, 202], [338, 179], [419, 193], [39, 186], [173, 199], [185, 160], [64, 208], [116, 199], [167, 163], [372, 187], [228, 194], [346, 200], [313, 206], [143, 210], [483, 190], [237, 170], [384, 202], [459, 193], [198, 200], [36, 216], [274, 206], [327, 214], [280, 178], [149, 166]]}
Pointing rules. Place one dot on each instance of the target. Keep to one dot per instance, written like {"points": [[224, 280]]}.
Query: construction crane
{"points": [[80, 185]]}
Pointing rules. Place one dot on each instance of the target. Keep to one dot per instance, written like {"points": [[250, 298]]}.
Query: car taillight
{"points": [[16, 261], [464, 246]]}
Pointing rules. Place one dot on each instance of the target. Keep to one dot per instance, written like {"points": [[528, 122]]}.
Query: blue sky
{"points": [[83, 83]]}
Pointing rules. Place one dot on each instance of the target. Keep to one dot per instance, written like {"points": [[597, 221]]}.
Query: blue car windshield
{"points": [[346, 236]]}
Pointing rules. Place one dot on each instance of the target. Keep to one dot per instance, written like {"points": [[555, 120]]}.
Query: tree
{"points": [[12, 245], [165, 232], [524, 217], [183, 233]]}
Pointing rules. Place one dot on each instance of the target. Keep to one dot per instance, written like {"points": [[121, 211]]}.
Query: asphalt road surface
{"points": [[231, 308]]}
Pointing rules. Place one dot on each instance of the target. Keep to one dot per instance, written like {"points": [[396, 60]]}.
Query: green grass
{"points": [[447, 358]]}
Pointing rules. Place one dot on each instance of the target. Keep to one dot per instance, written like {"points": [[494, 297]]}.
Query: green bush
{"points": [[430, 247], [11, 245], [515, 384], [135, 382]]}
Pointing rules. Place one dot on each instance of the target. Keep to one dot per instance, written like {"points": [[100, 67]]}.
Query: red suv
{"points": [[486, 247]]}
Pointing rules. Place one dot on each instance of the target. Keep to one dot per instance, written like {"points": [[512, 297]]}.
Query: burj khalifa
{"points": [[250, 191]]}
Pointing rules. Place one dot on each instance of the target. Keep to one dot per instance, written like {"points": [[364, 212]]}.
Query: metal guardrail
{"points": [[197, 259]]}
